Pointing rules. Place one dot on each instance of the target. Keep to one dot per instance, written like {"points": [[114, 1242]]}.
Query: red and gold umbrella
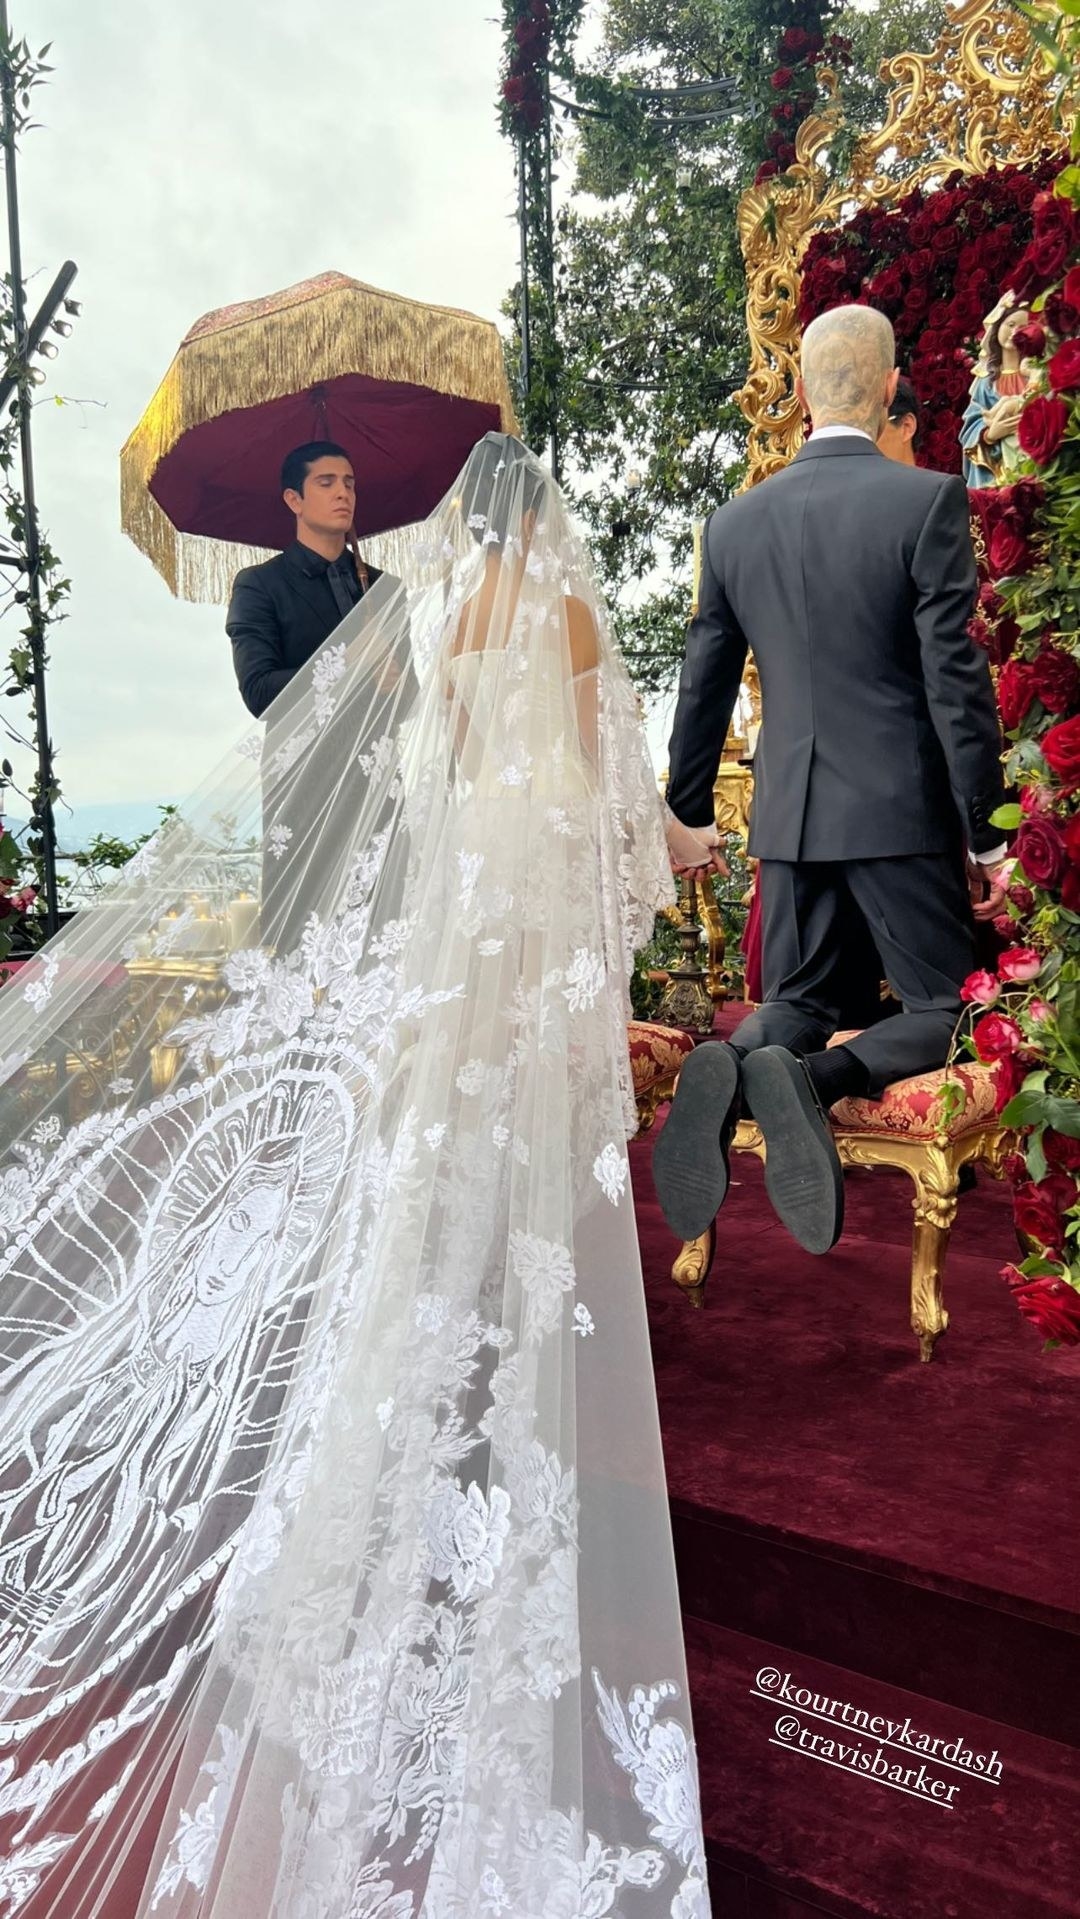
{"points": [[406, 389]]}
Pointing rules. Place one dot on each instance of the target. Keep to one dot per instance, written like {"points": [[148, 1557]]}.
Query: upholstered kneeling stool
{"points": [[909, 1128]]}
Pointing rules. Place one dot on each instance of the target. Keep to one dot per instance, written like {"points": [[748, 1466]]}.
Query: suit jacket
{"points": [[852, 579], [279, 615]]}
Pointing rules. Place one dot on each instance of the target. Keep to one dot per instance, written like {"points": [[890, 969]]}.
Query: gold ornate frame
{"points": [[981, 98]]}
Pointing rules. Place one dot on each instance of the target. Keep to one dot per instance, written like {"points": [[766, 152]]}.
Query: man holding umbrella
{"points": [[282, 611], [279, 616]]}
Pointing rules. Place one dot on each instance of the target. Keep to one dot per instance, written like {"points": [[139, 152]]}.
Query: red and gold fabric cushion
{"points": [[656, 1053], [913, 1107]]}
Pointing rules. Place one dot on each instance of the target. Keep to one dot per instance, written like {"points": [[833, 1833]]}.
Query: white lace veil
{"points": [[336, 1577]]}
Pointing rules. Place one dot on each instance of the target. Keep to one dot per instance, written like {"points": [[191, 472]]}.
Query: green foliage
{"points": [[643, 347], [21, 74]]}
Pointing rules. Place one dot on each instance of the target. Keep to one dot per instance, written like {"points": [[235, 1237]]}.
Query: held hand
{"points": [[695, 851], [988, 887]]}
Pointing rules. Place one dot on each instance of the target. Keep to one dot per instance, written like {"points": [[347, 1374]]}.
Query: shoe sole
{"points": [[690, 1167], [803, 1175]]}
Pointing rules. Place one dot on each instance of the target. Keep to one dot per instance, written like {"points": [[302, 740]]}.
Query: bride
{"points": [[336, 1577]]}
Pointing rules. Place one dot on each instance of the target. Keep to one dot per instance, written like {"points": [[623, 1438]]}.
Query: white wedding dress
{"points": [[336, 1577]]}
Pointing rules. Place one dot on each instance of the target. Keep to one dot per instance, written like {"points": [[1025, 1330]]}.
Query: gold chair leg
{"points": [[694, 1264], [936, 1189]]}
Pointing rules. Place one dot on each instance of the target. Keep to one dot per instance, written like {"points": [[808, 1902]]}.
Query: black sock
{"points": [[837, 1074]]}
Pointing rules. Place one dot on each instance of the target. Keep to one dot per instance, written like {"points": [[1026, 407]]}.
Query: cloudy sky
{"points": [[194, 153]]}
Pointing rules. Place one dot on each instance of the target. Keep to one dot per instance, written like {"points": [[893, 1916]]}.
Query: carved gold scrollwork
{"points": [[979, 99]]}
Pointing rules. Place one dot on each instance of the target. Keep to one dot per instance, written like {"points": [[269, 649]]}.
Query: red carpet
{"points": [[902, 1540]]}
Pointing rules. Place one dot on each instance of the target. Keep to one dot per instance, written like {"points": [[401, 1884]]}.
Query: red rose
{"points": [[1063, 371], [781, 79], [996, 1037], [1049, 256], [765, 171], [1040, 850], [1009, 1075], [1022, 898], [795, 43], [1061, 751], [1052, 1306], [1020, 964], [1030, 340], [1071, 839], [1071, 289], [1062, 315], [1061, 1150], [1039, 1211], [1035, 803], [514, 90], [1057, 679], [1009, 551], [1070, 889], [1042, 428], [1016, 690]]}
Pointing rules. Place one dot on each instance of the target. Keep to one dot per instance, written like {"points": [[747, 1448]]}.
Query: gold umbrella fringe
{"points": [[288, 345]]}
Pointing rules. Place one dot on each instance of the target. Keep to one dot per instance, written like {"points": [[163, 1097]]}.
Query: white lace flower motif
{"points": [[488, 949], [328, 669], [251, 746], [466, 1532], [336, 1721], [471, 1078], [384, 1413], [432, 1310], [658, 1757], [558, 820], [517, 772], [584, 980], [278, 839], [375, 762], [39, 992], [16, 1195], [610, 1170], [546, 1272], [434, 1135], [584, 1323], [47, 1131]]}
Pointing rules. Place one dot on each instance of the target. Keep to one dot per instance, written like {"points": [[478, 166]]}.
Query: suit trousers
{"points": [[918, 914]]}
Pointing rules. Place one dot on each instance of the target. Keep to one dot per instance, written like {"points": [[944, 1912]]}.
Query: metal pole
{"points": [[44, 820], [549, 285], [523, 236]]}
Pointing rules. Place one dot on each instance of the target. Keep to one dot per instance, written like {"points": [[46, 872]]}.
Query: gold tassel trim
{"points": [[251, 354]]}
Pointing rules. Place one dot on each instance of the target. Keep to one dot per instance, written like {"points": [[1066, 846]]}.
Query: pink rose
{"points": [[980, 989], [1020, 964]]}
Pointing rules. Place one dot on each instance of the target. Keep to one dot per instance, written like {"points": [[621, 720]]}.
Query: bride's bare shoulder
{"points": [[582, 634]]}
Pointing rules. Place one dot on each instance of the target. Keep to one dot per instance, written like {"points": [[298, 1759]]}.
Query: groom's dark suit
{"points": [[851, 578]]}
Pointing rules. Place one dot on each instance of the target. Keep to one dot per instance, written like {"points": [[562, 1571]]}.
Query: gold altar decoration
{"points": [[981, 98], [296, 341]]}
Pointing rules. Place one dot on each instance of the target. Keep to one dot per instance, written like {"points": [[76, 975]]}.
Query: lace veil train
{"points": [[336, 1577]]}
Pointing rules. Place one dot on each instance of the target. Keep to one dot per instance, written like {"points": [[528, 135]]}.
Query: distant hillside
{"points": [[124, 820]]}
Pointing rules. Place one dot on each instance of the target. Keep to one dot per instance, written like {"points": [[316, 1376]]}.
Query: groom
{"points": [[851, 577]]}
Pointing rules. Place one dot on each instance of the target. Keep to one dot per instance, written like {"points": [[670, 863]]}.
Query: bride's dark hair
{"points": [[503, 482]]}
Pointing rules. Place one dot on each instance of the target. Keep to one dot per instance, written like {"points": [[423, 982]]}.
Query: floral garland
{"points": [[935, 265], [528, 28], [796, 81], [1030, 615]]}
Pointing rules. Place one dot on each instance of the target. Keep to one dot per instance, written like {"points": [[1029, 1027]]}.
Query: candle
{"points": [[242, 923]]}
